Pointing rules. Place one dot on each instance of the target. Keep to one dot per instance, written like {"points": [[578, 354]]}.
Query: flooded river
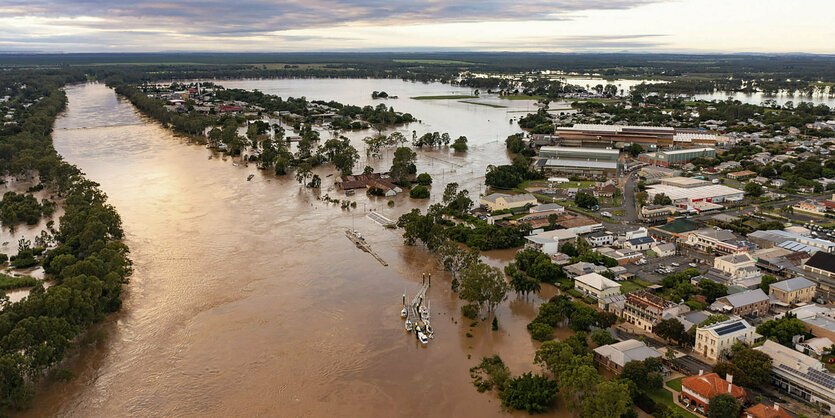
{"points": [[247, 298]]}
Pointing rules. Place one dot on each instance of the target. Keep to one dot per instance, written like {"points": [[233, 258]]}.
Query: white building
{"points": [[596, 286], [499, 201], [714, 340], [737, 266]]}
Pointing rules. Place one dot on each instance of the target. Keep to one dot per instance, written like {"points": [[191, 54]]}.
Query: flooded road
{"points": [[247, 298]]}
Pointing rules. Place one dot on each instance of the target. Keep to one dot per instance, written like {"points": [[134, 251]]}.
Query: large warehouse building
{"points": [[688, 193], [676, 157], [588, 162], [618, 136]]}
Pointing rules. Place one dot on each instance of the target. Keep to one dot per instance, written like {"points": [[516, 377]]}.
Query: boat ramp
{"points": [[360, 242]]}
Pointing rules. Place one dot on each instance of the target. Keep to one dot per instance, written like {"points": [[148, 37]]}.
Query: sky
{"points": [[685, 26]]}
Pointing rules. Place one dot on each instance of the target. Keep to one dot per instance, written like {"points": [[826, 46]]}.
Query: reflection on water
{"points": [[247, 299]]}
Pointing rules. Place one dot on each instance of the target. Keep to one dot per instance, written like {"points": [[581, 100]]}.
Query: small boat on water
{"points": [[250, 177], [422, 337], [429, 330], [403, 313], [408, 326], [234, 164]]}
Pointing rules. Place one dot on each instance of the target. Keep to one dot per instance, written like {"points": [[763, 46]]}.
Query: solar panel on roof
{"points": [[736, 326]]}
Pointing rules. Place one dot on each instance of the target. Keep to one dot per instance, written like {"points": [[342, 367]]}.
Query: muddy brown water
{"points": [[247, 298]]}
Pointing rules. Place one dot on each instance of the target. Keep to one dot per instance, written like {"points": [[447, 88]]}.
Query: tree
{"points": [[782, 330], [490, 373], [460, 144], [634, 150], [482, 284], [514, 143], [712, 290], [315, 182], [419, 192], [552, 220], [403, 165], [766, 281], [723, 406], [610, 399], [670, 329], [583, 317], [585, 200], [303, 172], [532, 393], [641, 197], [661, 199], [424, 179], [753, 189], [606, 319], [602, 337]]}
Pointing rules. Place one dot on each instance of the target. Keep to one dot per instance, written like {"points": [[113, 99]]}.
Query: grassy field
{"points": [[521, 97], [664, 396], [448, 97], [631, 285], [675, 384], [579, 184], [482, 104], [433, 62]]}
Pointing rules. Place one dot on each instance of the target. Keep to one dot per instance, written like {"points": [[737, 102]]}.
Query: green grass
{"points": [[405, 61], [675, 384], [618, 212], [631, 286], [447, 97], [578, 184], [10, 282], [664, 396], [482, 104], [521, 97]]}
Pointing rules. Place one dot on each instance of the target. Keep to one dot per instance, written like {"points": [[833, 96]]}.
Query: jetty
{"points": [[380, 219], [360, 242], [416, 313]]}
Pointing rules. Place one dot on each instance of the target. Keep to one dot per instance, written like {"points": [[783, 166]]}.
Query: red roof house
{"points": [[231, 108], [761, 411], [697, 391]]}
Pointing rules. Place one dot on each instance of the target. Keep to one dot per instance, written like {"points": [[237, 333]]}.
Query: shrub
{"points": [[419, 192], [470, 311], [424, 179], [533, 393], [541, 331]]}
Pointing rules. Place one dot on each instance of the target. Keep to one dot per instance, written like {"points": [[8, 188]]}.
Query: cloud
{"points": [[253, 17]]}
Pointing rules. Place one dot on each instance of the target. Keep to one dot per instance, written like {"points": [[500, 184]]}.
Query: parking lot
{"points": [[647, 272]]}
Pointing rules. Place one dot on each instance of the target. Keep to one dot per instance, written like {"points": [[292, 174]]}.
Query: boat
{"points": [[408, 326], [430, 331], [403, 313], [250, 177], [234, 164], [422, 337]]}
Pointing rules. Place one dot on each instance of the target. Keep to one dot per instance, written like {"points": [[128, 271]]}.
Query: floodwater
{"points": [[247, 298]]}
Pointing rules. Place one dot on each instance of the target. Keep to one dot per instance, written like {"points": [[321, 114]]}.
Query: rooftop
{"points": [[746, 298], [626, 351], [600, 151], [731, 326], [710, 385], [596, 281], [798, 365], [823, 261], [795, 283], [562, 162], [694, 193]]}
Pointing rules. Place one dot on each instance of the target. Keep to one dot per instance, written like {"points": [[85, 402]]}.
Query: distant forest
{"points": [[685, 73]]}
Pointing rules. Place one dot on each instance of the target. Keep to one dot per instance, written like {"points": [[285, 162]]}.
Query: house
{"points": [[697, 391], [810, 206], [800, 376], [794, 290], [657, 213], [751, 302], [776, 237], [761, 411], [596, 286], [820, 268], [639, 244], [550, 242], [737, 266], [715, 340], [778, 183], [645, 309], [815, 347], [230, 109], [741, 175], [665, 249], [607, 190], [500, 201], [615, 356], [581, 268], [546, 207], [361, 181], [720, 241], [622, 256], [600, 238]]}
